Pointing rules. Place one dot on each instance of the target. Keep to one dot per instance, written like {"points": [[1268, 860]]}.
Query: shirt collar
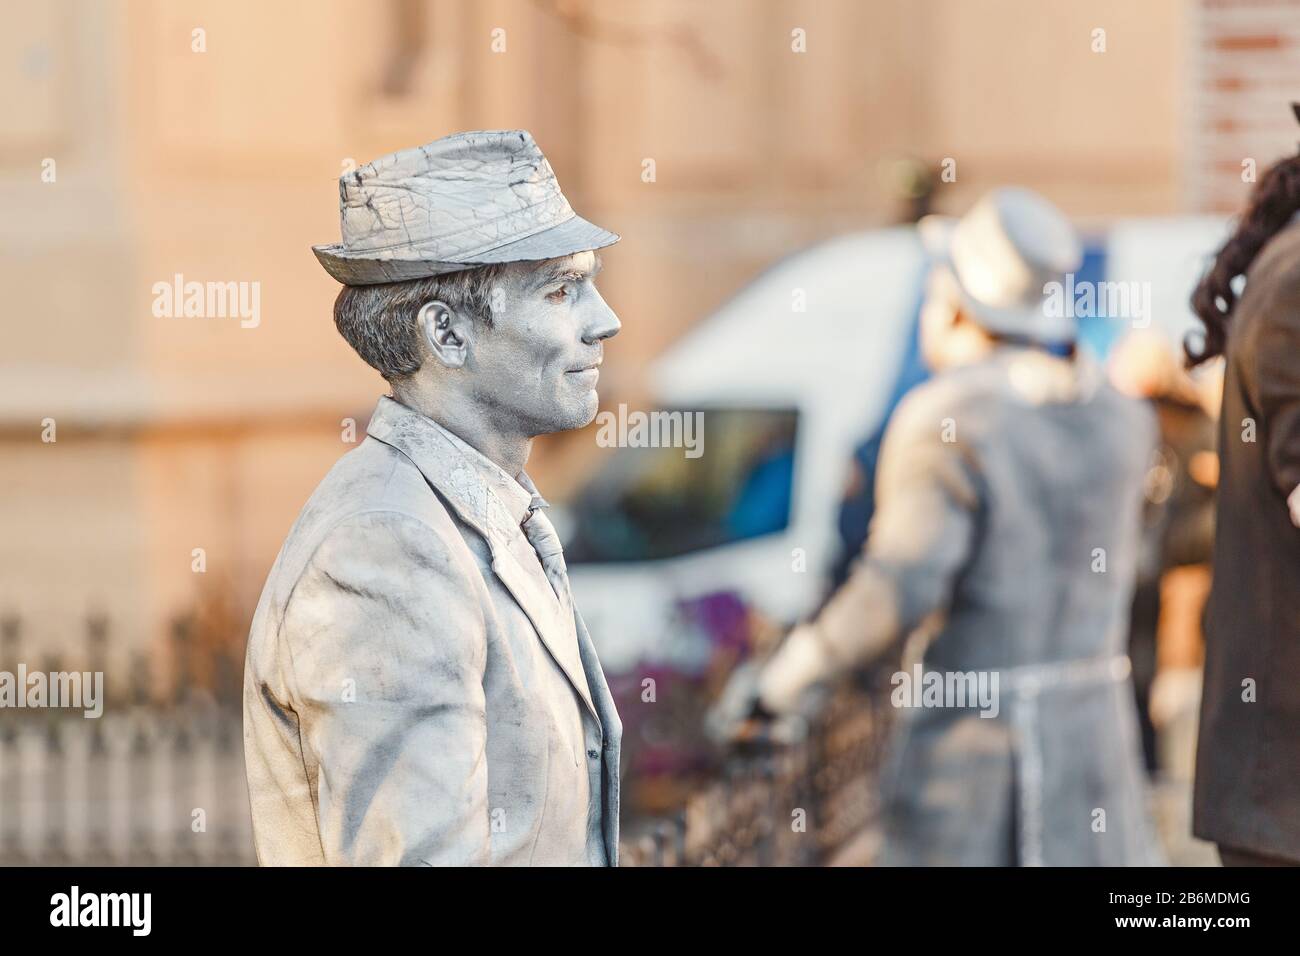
{"points": [[518, 495]]}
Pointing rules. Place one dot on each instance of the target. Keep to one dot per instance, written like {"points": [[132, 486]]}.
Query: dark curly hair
{"points": [[1275, 200]]}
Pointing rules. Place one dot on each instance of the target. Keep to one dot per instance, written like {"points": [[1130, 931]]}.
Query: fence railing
{"points": [[785, 805], [159, 779], [143, 787]]}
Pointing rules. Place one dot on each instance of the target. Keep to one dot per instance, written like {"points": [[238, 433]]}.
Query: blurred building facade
{"points": [[153, 140]]}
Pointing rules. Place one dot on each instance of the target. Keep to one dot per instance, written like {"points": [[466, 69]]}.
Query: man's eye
{"points": [[558, 295]]}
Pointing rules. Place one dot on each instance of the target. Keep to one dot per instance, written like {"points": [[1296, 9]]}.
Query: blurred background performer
{"points": [[1173, 576], [1247, 795], [1008, 499]]}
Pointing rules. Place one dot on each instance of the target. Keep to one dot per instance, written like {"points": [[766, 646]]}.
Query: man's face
{"points": [[536, 369]]}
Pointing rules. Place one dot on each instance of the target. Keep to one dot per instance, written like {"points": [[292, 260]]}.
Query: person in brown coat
{"points": [[1247, 792]]}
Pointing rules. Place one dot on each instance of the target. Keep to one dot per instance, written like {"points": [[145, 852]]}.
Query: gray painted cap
{"points": [[471, 199], [1003, 253]]}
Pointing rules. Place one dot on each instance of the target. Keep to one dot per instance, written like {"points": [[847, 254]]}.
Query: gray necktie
{"points": [[541, 535]]}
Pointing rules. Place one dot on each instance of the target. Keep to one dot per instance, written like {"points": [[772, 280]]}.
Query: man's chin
{"points": [[580, 414], [590, 409]]}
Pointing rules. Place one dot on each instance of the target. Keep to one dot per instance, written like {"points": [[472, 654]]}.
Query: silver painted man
{"points": [[419, 688], [1004, 545]]}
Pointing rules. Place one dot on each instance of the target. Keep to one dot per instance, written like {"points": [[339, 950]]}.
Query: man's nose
{"points": [[601, 323]]}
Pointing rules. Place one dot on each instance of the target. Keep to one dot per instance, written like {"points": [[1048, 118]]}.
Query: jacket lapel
{"points": [[532, 592], [446, 469]]}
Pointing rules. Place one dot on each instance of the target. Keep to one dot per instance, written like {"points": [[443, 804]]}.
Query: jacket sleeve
{"points": [[387, 651], [920, 537], [1277, 376]]}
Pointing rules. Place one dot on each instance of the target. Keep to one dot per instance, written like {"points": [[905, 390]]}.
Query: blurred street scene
{"points": [[765, 162]]}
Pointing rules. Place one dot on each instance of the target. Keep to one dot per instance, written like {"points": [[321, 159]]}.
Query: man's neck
{"points": [[468, 423]]}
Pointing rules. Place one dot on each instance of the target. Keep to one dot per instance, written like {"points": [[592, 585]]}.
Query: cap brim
{"points": [[1024, 322], [573, 235]]}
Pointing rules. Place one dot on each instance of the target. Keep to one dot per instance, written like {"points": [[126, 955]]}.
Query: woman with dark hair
{"points": [[1247, 795]]}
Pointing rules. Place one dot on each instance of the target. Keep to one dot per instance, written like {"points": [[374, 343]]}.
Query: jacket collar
{"points": [[494, 505], [476, 487], [518, 494]]}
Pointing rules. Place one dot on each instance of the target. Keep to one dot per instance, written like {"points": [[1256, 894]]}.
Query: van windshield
{"points": [[732, 483]]}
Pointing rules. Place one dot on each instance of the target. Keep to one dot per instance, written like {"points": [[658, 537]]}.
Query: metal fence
{"points": [[795, 804], [159, 778]]}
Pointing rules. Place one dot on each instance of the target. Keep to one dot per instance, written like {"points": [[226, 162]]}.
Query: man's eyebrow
{"points": [[566, 271]]}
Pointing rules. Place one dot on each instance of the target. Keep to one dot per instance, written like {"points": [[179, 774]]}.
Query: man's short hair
{"points": [[381, 321]]}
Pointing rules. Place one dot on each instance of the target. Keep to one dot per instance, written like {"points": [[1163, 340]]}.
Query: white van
{"points": [[791, 375]]}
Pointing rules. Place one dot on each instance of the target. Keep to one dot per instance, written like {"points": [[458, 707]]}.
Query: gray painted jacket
{"points": [[1005, 542], [412, 691]]}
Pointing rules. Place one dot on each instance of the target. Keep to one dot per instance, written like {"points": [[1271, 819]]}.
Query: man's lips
{"points": [[587, 376]]}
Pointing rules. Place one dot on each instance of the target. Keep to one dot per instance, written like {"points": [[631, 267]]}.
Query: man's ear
{"points": [[445, 332]]}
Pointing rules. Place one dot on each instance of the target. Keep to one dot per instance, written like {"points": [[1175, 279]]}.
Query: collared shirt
{"points": [[518, 494]]}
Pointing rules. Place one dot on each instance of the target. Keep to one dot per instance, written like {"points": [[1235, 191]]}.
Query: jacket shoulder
{"points": [[964, 395], [1277, 267], [373, 477], [372, 490], [1270, 303]]}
